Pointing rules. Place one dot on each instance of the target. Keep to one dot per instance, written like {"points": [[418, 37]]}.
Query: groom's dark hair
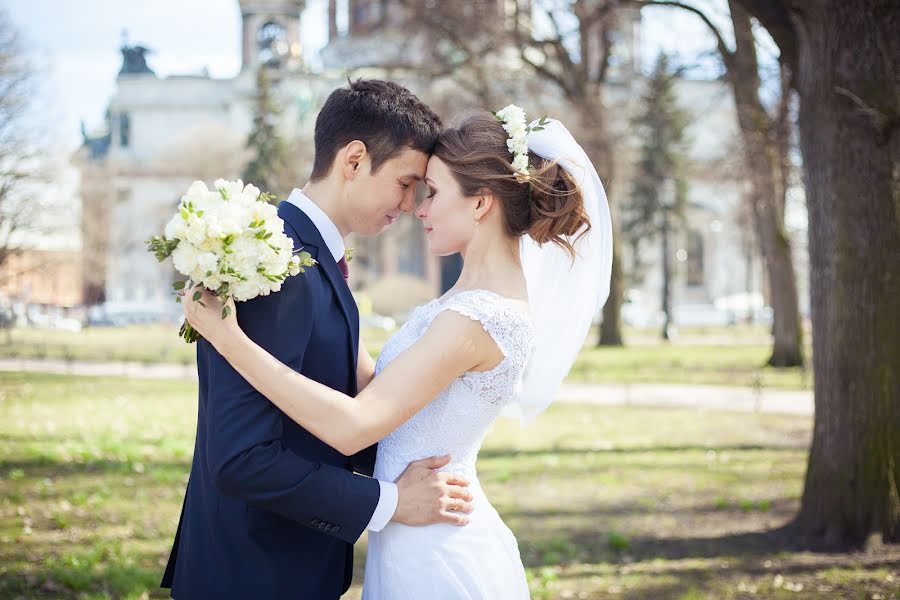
{"points": [[383, 115]]}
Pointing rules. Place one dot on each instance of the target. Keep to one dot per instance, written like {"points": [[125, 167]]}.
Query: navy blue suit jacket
{"points": [[270, 510]]}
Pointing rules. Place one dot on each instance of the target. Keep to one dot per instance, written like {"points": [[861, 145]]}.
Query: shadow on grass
{"points": [[491, 453], [774, 507], [76, 576], [748, 547]]}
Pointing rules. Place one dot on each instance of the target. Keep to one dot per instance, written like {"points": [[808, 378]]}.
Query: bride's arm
{"points": [[452, 345], [365, 366]]}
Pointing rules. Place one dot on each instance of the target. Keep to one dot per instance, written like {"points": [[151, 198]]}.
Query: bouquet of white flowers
{"points": [[229, 240]]}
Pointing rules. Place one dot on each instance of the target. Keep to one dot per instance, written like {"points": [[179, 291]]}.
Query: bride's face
{"points": [[448, 215]]}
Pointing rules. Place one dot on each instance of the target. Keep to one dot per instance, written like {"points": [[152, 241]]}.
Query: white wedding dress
{"points": [[449, 562]]}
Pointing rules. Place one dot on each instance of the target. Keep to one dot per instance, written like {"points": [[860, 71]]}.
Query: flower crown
{"points": [[513, 119]]}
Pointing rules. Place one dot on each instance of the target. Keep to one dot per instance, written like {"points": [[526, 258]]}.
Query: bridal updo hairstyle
{"points": [[476, 153]]}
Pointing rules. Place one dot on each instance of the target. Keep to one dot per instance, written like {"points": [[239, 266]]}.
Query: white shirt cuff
{"points": [[386, 507]]}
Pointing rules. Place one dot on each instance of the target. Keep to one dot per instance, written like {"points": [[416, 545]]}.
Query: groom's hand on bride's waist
{"points": [[426, 496]]}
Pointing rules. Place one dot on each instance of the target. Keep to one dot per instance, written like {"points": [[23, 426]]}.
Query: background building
{"points": [[163, 133]]}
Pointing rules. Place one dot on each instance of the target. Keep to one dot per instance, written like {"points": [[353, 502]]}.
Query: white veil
{"points": [[563, 295]]}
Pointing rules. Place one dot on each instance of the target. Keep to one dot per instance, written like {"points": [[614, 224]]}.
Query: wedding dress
{"points": [[450, 562]]}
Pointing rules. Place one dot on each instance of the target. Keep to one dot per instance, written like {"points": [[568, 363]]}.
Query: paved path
{"points": [[706, 397]]}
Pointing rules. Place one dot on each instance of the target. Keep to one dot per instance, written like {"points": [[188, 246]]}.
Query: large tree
{"points": [[846, 57]]}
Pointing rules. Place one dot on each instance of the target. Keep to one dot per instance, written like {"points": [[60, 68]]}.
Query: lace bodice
{"points": [[458, 418]]}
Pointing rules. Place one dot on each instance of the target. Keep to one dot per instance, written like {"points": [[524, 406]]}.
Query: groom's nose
{"points": [[408, 203]]}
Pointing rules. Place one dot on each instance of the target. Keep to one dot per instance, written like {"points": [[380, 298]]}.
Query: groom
{"points": [[271, 511]]}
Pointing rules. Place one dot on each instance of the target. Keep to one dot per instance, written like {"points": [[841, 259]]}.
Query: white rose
{"points": [[184, 257], [251, 190], [520, 163], [176, 228], [197, 190], [211, 244], [516, 129], [214, 229], [510, 111], [212, 282], [294, 266], [232, 219], [233, 189], [207, 262], [244, 291], [517, 145], [196, 229]]}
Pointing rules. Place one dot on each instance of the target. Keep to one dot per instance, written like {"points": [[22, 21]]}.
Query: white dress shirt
{"points": [[387, 499]]}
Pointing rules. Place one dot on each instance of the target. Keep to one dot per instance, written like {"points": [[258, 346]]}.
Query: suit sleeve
{"points": [[245, 453]]}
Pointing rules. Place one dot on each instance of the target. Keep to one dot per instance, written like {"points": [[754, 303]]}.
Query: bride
{"points": [[527, 212]]}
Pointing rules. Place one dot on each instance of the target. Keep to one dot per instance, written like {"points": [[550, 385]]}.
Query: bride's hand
{"points": [[205, 315]]}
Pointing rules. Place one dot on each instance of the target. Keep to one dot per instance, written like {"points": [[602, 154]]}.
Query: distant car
{"points": [[66, 324], [635, 312], [701, 315]]}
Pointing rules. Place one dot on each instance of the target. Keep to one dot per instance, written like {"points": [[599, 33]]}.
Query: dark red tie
{"points": [[344, 267]]}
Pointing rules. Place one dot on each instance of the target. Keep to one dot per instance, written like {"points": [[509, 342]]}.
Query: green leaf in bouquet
{"points": [[197, 295], [226, 311], [179, 285], [224, 193], [161, 247]]}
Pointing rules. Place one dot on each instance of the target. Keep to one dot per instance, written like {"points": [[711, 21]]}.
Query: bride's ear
{"points": [[483, 204]]}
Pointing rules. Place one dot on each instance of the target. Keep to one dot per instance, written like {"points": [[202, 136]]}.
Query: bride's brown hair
{"points": [[552, 210]]}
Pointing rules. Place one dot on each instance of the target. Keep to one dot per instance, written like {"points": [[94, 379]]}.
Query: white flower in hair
{"points": [[513, 119]]}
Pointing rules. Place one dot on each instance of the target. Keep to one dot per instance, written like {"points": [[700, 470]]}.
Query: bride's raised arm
{"points": [[452, 345]]}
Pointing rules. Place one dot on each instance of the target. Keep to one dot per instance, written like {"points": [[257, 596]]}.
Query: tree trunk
{"points": [[611, 328], [596, 141], [667, 278], [763, 159], [847, 60]]}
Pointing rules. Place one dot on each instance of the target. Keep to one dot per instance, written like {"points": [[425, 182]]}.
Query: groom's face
{"points": [[378, 199]]}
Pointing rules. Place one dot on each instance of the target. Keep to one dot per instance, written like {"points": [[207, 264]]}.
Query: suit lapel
{"points": [[309, 235]]}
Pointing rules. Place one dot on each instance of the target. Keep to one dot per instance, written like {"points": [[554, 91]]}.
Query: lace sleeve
{"points": [[511, 331]]}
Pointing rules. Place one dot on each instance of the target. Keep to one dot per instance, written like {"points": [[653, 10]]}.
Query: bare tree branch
{"points": [[720, 41], [20, 157]]}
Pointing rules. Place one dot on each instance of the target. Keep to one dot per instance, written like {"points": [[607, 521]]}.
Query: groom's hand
{"points": [[426, 496]]}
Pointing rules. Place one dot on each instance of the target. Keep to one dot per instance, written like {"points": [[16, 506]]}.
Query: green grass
{"points": [[729, 365], [155, 343], [605, 502], [711, 356]]}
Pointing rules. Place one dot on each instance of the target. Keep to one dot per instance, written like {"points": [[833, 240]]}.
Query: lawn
{"points": [[713, 356], [605, 502]]}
